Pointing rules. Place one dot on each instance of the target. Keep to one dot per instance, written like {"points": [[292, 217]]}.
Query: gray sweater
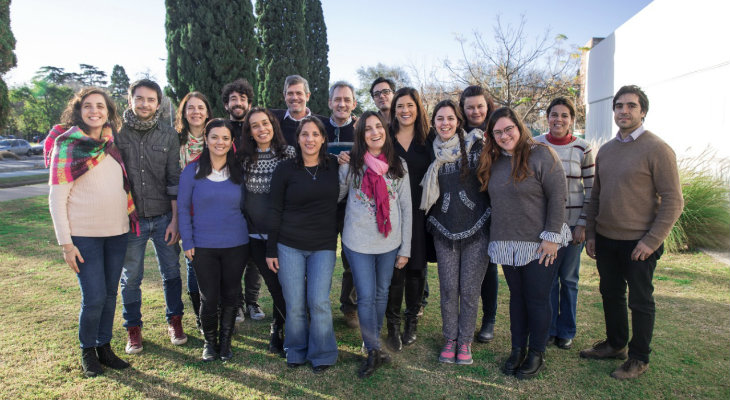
{"points": [[360, 233]]}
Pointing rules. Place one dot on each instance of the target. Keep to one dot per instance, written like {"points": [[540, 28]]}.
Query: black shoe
{"points": [[393, 341], [210, 334], [533, 364], [486, 334], [550, 341], [294, 365], [409, 332], [564, 344], [195, 299], [227, 324], [276, 340], [107, 357], [90, 362], [516, 358], [370, 364], [320, 369], [384, 357]]}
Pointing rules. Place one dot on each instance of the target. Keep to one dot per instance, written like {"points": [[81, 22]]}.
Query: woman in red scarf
{"points": [[92, 211], [377, 232]]}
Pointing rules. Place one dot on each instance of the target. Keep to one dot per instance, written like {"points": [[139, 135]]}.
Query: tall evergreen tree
{"points": [[209, 44], [119, 82], [7, 57], [318, 71], [280, 27]]}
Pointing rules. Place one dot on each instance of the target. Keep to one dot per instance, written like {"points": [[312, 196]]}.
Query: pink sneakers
{"points": [[448, 354], [463, 354]]}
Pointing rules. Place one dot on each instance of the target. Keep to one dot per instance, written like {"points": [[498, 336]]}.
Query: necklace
{"points": [[313, 175]]}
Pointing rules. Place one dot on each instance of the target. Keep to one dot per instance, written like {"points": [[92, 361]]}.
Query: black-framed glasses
{"points": [[505, 131], [383, 92]]}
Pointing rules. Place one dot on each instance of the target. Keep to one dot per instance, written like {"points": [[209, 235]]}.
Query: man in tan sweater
{"points": [[636, 200]]}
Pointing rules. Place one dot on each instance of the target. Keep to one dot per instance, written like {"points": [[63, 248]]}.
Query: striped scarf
{"points": [[70, 153]]}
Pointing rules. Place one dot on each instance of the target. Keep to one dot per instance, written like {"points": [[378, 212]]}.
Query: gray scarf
{"points": [[131, 120], [445, 152]]}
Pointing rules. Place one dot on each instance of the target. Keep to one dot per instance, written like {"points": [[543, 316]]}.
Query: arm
{"points": [[406, 215], [592, 211], [345, 179], [278, 190], [554, 189], [587, 173], [172, 168], [58, 206], [184, 204]]}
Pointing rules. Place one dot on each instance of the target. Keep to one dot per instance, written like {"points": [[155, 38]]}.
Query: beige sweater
{"points": [[94, 205], [636, 193]]}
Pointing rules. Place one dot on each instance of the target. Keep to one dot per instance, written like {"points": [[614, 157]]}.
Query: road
{"points": [[22, 192]]}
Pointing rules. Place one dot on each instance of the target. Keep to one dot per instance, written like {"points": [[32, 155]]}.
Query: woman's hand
{"points": [[189, 254], [591, 248], [579, 234], [70, 254], [401, 262], [273, 264], [343, 157], [547, 251]]}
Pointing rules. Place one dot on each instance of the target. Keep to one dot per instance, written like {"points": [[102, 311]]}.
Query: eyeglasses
{"points": [[505, 131], [384, 92]]}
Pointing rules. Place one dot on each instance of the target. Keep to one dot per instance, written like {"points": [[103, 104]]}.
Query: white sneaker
{"points": [[255, 312], [240, 317]]}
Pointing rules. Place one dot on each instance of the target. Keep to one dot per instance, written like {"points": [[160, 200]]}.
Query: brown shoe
{"points": [[351, 320], [134, 340], [175, 331], [601, 350], [631, 369]]}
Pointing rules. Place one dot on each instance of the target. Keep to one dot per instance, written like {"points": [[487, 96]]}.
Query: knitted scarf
{"points": [[70, 153], [131, 120], [374, 187], [445, 152], [191, 150]]}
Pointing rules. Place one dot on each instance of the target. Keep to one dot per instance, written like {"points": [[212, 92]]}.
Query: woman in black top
{"points": [[302, 243]]}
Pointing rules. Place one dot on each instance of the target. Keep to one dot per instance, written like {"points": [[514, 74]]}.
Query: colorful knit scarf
{"points": [[70, 153], [374, 187]]}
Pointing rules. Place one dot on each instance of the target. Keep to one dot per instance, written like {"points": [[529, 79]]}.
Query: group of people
{"points": [[263, 194]]}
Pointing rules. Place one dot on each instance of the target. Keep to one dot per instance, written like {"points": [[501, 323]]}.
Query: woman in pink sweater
{"points": [[92, 211]]}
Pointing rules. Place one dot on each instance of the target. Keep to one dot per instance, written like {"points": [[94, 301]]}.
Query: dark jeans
{"points": [[251, 284], [98, 278], [490, 286], [617, 271], [219, 276], [529, 302], [258, 255], [411, 282], [192, 279]]}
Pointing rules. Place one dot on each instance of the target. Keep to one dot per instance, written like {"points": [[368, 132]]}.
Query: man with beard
{"points": [[296, 96], [237, 98], [151, 153]]}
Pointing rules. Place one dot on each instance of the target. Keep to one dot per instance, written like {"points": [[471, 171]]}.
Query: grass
{"points": [[23, 180], [40, 357]]}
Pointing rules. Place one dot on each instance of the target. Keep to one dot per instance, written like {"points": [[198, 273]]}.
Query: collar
{"points": [[287, 115], [333, 123], [632, 136], [569, 138]]}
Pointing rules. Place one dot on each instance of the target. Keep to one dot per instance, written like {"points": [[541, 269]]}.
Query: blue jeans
{"points": [[192, 278], [306, 279], [564, 293], [372, 274], [98, 278], [168, 260]]}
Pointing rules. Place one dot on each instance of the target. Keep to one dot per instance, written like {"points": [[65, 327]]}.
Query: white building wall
{"points": [[678, 53]]}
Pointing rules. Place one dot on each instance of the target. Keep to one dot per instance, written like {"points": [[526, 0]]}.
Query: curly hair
{"points": [[72, 114]]}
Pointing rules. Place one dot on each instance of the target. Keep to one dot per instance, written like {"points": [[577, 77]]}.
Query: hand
{"points": [[172, 234], [591, 248], [547, 251], [70, 254], [343, 157], [189, 254], [401, 262], [641, 252], [579, 234], [273, 264]]}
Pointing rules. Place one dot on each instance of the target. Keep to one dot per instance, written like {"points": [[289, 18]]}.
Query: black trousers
{"points": [[617, 271], [251, 283], [490, 286], [219, 276], [258, 255], [412, 282]]}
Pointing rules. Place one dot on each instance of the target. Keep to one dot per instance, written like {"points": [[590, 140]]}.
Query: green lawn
{"points": [[40, 358]]}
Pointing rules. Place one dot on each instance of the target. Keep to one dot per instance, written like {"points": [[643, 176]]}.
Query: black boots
{"points": [[276, 342], [533, 364], [409, 332], [209, 325], [195, 299], [375, 359], [228, 323], [393, 341], [90, 362], [486, 334], [516, 358], [107, 357]]}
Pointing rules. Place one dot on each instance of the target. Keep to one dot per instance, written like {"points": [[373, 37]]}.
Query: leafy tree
{"points": [[55, 75], [280, 26], [366, 76], [119, 85], [209, 44], [318, 71], [8, 60], [38, 106], [92, 76]]}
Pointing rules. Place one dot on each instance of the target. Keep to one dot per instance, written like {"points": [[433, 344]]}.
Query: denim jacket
{"points": [[152, 160]]}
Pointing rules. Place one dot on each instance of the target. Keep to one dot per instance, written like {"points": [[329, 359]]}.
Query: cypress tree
{"points": [[280, 27], [7, 57], [209, 44], [119, 82], [318, 71]]}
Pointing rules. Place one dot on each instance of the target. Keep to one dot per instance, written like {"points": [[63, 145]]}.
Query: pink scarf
{"points": [[374, 187]]}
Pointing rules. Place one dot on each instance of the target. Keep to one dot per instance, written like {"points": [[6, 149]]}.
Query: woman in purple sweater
{"points": [[214, 233]]}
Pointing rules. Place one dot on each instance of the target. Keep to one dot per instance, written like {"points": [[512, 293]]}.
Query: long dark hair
{"points": [[492, 151], [476, 90], [181, 123], [359, 148], [247, 153], [323, 155], [205, 167], [464, 169], [420, 126], [72, 114]]}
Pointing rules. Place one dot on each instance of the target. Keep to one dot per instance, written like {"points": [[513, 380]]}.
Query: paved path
{"points": [[22, 192], [25, 163]]}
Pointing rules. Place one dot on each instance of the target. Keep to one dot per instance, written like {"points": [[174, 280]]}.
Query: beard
{"points": [[237, 112]]}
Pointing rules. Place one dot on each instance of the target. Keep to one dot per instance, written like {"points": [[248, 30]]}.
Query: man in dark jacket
{"points": [[296, 96]]}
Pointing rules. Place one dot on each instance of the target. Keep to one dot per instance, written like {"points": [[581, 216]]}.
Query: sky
{"points": [[411, 34]]}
